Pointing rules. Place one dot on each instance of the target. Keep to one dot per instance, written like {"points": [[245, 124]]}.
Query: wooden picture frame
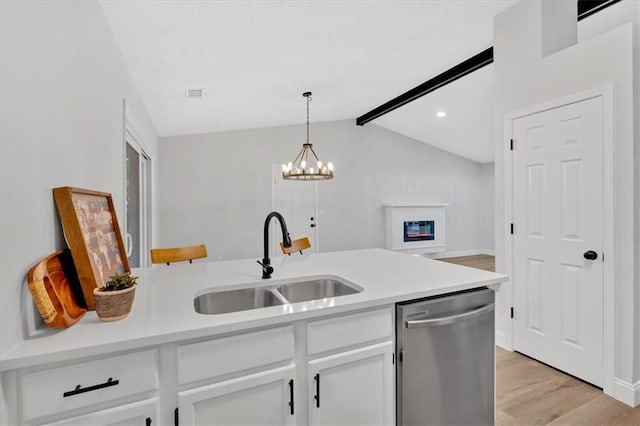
{"points": [[90, 227]]}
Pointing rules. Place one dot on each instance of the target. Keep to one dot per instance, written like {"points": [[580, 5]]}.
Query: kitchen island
{"points": [[180, 358]]}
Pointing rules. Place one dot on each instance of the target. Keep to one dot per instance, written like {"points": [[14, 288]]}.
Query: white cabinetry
{"points": [[336, 370], [350, 381], [137, 414], [253, 377], [332, 371], [264, 398], [353, 388], [102, 387]]}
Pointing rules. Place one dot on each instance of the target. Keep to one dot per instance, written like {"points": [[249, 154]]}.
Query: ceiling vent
{"points": [[195, 93]]}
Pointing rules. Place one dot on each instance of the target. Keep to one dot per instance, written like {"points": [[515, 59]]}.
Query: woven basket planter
{"points": [[113, 305]]}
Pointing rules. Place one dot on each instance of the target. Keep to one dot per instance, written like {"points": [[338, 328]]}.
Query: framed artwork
{"points": [[92, 233]]}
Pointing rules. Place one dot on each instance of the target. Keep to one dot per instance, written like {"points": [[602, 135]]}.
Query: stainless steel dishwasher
{"points": [[446, 360]]}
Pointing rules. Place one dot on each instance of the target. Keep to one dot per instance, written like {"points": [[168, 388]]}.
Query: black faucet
{"points": [[267, 269]]}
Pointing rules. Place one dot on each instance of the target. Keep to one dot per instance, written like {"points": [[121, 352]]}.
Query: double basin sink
{"points": [[285, 292]]}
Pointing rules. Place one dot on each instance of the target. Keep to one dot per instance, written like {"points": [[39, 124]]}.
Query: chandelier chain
{"points": [[308, 99]]}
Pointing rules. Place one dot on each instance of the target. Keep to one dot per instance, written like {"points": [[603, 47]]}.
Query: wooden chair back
{"points": [[178, 254]]}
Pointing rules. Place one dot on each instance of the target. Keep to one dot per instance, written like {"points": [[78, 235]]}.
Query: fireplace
{"points": [[415, 228], [419, 230]]}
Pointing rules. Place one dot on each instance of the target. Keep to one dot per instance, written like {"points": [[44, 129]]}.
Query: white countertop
{"points": [[163, 308]]}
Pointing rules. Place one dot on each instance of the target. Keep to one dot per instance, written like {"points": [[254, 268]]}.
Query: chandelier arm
{"points": [[298, 157], [314, 154], [306, 157]]}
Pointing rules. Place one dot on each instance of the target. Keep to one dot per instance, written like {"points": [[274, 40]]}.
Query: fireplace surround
{"points": [[415, 228]]}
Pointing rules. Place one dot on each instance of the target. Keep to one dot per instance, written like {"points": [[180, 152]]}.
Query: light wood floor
{"points": [[531, 393], [480, 261]]}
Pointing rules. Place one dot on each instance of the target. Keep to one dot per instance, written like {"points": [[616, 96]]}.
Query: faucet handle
{"points": [[267, 269]]}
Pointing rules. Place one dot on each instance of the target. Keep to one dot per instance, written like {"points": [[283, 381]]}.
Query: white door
{"points": [[352, 388], [558, 230], [143, 413], [296, 201], [264, 398]]}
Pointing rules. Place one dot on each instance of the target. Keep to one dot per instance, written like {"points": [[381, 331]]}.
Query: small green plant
{"points": [[119, 282]]}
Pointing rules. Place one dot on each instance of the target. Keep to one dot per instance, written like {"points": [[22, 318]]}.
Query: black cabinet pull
{"points": [[317, 395], [291, 396], [79, 389], [147, 421]]}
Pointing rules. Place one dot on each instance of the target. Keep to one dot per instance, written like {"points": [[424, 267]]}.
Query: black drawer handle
{"points": [[317, 395], [79, 389]]}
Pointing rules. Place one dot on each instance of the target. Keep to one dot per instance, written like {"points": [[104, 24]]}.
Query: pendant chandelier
{"points": [[304, 168]]}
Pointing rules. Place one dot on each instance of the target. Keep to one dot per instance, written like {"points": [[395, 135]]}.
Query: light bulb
{"points": [[303, 164], [284, 167], [319, 164], [311, 170], [330, 165], [289, 166]]}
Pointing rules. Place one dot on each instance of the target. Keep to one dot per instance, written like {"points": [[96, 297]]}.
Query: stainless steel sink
{"points": [[290, 291], [319, 288], [223, 302]]}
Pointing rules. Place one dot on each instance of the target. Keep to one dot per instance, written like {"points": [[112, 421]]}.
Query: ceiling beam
{"points": [[585, 8], [452, 74]]}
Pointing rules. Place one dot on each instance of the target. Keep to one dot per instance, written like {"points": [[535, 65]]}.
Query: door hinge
{"points": [[393, 358], [603, 256], [176, 417], [512, 229], [400, 356], [511, 145], [512, 312]]}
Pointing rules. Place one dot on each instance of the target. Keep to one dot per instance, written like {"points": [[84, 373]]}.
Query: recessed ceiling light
{"points": [[441, 114]]}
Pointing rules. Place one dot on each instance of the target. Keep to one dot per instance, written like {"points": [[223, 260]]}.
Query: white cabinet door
{"points": [[265, 398], [352, 388], [143, 413]]}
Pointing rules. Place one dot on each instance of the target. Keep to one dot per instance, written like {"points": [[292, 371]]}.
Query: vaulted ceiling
{"points": [[254, 60]]}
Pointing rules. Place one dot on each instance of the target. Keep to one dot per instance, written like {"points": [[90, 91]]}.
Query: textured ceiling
{"points": [[254, 60]]}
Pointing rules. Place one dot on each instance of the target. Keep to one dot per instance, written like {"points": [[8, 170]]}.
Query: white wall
{"points": [[487, 199], [216, 187], [63, 83], [606, 20], [523, 78]]}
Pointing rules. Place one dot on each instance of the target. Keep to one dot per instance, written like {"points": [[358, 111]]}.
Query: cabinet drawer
{"points": [[213, 358], [67, 388], [349, 330], [130, 414]]}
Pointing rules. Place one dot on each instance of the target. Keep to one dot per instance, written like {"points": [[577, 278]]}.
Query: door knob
{"points": [[590, 255], [313, 225]]}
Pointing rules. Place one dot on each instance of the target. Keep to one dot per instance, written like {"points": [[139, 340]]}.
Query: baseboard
{"points": [[502, 341], [627, 392], [460, 253]]}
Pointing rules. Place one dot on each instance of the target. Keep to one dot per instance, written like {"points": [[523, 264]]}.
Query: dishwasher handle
{"points": [[451, 318]]}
